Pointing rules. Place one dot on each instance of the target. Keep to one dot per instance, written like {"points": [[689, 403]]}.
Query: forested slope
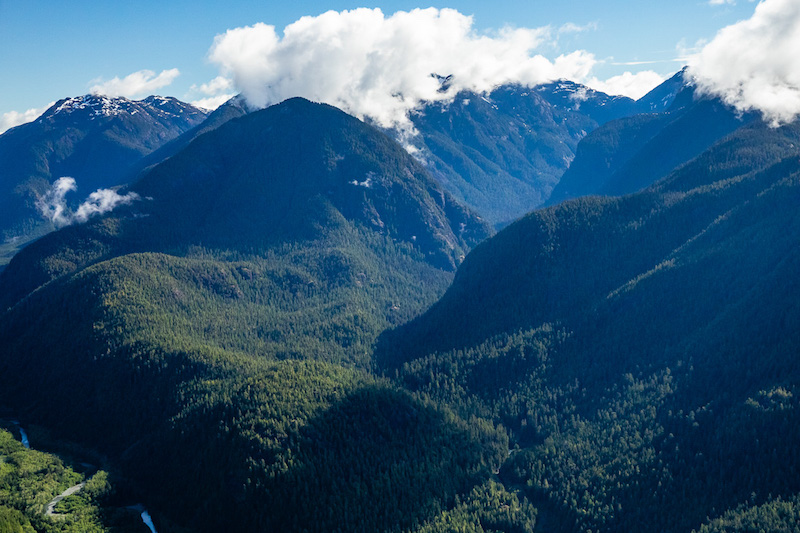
{"points": [[215, 336], [626, 155], [641, 351]]}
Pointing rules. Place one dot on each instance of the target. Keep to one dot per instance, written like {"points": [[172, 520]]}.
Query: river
{"points": [[23, 436], [148, 521]]}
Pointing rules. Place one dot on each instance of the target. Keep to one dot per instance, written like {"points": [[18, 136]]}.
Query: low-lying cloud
{"points": [[52, 205], [382, 67], [754, 64], [628, 84], [141, 83]]}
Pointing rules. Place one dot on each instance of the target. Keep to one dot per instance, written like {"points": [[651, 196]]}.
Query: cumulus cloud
{"points": [[382, 67], [212, 102], [628, 84], [52, 205], [217, 85], [215, 93], [754, 64], [16, 118], [141, 83]]}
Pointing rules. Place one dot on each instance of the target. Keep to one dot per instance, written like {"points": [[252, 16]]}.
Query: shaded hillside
{"points": [[641, 351], [233, 108], [503, 153], [626, 155], [290, 174]]}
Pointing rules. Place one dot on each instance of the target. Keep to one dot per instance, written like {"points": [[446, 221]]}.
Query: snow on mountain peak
{"points": [[98, 105]]}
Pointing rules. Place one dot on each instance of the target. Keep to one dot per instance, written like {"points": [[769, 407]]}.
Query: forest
{"points": [[306, 332]]}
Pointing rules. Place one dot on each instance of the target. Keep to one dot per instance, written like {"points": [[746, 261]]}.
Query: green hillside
{"points": [[641, 351], [266, 341], [216, 337]]}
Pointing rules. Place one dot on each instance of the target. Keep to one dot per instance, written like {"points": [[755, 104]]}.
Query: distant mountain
{"points": [[503, 153], [93, 139], [500, 154], [215, 336], [597, 105], [626, 155], [233, 108], [661, 98], [642, 350]]}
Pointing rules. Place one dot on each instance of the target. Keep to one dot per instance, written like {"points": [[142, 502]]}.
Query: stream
{"points": [[22, 434], [148, 521]]}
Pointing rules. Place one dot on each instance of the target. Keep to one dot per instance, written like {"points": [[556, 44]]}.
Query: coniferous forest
{"points": [[298, 326]]}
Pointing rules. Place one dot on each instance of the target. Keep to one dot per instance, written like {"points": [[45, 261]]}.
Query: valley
{"points": [[537, 314]]}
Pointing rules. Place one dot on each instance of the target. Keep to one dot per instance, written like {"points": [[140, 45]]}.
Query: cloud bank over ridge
{"points": [[755, 64], [382, 66]]}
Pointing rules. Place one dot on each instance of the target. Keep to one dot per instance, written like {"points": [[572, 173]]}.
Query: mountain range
{"points": [[295, 325], [629, 154], [500, 153]]}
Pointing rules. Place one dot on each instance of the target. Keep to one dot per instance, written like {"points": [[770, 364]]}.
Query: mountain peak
{"points": [[98, 105]]}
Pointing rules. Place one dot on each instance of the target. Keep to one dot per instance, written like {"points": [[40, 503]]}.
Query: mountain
{"points": [[233, 108], [215, 336], [92, 138], [641, 351], [626, 155], [503, 153], [499, 153], [661, 97], [597, 105]]}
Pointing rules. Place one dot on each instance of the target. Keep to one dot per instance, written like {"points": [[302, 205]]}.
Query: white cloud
{"points": [[214, 87], [382, 67], [212, 102], [100, 202], [52, 205], [16, 118], [628, 84], [754, 64], [215, 93], [141, 83], [721, 2], [571, 27]]}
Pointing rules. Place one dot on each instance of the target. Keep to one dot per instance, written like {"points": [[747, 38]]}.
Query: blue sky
{"points": [[54, 49]]}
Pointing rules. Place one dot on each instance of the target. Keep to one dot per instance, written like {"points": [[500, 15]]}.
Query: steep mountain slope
{"points": [[233, 108], [214, 336], [626, 155], [661, 97], [94, 139], [642, 351], [502, 153], [293, 173]]}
